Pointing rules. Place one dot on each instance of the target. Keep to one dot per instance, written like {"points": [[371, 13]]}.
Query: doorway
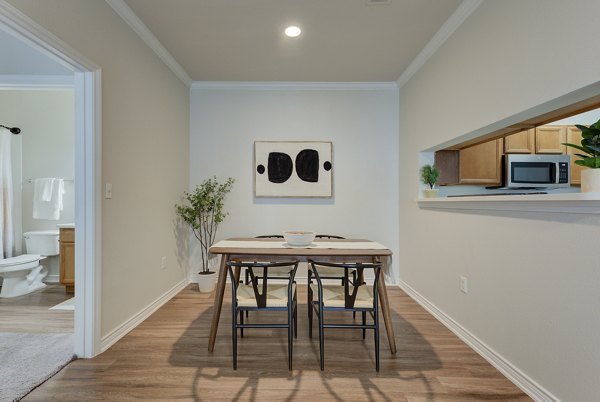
{"points": [[87, 180]]}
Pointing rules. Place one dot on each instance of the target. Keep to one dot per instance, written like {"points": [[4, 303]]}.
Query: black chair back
{"points": [[261, 293], [350, 287]]}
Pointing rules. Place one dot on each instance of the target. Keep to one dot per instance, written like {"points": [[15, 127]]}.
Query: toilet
{"points": [[24, 274]]}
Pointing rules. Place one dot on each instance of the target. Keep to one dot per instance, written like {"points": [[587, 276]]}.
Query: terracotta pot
{"points": [[590, 180]]}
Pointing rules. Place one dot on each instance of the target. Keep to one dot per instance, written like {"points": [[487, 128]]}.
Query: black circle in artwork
{"points": [[307, 165], [280, 167], [327, 166], [260, 169]]}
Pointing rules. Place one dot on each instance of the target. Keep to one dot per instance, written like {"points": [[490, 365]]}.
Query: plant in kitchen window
{"points": [[429, 176], [590, 145], [590, 156]]}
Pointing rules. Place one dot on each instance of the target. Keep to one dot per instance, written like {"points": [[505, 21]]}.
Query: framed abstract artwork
{"points": [[293, 169]]}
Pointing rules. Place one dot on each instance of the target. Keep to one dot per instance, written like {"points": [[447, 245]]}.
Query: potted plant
{"points": [[590, 158], [429, 176], [203, 211]]}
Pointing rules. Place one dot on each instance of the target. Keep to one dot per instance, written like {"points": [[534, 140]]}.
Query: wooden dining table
{"points": [[331, 250]]}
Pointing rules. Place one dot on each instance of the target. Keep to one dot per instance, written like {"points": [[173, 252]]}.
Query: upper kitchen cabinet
{"points": [[549, 139], [447, 161], [520, 143], [574, 137], [481, 164]]}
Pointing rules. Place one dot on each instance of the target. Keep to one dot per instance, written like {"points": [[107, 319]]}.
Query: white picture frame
{"points": [[293, 169]]}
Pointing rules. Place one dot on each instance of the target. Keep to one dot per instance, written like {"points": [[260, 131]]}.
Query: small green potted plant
{"points": [[202, 211], [429, 176], [590, 158]]}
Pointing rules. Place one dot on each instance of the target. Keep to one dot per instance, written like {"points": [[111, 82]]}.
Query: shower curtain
{"points": [[7, 239]]}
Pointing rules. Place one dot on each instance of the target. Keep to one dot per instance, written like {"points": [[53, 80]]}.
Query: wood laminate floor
{"points": [[29, 313], [166, 358]]}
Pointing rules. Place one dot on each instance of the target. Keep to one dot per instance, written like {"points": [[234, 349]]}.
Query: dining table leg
{"points": [[385, 310], [219, 293]]}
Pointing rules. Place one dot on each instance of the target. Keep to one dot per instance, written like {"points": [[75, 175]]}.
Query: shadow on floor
{"points": [[262, 360]]}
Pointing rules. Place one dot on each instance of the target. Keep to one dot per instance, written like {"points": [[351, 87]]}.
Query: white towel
{"points": [[43, 189], [44, 206], [47, 188]]}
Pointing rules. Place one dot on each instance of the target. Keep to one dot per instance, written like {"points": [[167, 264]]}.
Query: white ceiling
{"points": [[18, 58], [342, 40]]}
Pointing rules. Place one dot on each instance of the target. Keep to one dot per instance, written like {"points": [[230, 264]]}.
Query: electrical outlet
{"points": [[163, 262], [464, 284]]}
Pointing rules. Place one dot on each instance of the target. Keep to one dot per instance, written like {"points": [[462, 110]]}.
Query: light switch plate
{"points": [[464, 284]]}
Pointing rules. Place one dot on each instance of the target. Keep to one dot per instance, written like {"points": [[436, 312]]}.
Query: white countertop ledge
{"points": [[573, 203]]}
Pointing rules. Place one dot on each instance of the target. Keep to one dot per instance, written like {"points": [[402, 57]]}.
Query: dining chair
{"points": [[263, 296], [326, 272], [278, 273], [348, 296], [330, 273]]}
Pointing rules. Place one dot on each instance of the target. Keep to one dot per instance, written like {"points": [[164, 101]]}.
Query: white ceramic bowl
{"points": [[299, 238]]}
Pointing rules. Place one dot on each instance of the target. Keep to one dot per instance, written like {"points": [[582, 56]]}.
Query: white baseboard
{"points": [[51, 279], [123, 329], [520, 379]]}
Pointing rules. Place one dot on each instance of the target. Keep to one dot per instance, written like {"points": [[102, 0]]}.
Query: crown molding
{"points": [[15, 22], [441, 36], [127, 14], [294, 85], [16, 81]]}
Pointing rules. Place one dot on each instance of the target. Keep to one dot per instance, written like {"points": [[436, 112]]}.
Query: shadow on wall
{"points": [[263, 358], [182, 235]]}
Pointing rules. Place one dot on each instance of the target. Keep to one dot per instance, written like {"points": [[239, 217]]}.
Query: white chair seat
{"points": [[333, 295], [277, 295]]}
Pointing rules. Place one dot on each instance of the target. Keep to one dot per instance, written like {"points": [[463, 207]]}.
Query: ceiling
{"points": [[20, 58], [341, 41]]}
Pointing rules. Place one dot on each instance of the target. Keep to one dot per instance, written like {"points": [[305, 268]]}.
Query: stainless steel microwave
{"points": [[531, 171]]}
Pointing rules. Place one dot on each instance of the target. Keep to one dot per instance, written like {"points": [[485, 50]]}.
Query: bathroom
{"points": [[43, 149]]}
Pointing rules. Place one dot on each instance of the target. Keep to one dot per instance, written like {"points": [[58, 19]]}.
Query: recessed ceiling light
{"points": [[292, 31]]}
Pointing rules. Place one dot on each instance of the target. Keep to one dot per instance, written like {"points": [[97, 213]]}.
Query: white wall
{"points": [[24, 59], [585, 118], [45, 148], [533, 277], [145, 130], [363, 126]]}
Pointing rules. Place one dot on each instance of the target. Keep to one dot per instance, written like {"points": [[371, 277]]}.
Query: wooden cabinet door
{"points": [[549, 139], [67, 263], [574, 137], [520, 143], [481, 164], [67, 258], [447, 161]]}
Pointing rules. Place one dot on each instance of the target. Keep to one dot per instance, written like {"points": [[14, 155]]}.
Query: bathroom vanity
{"points": [[67, 258]]}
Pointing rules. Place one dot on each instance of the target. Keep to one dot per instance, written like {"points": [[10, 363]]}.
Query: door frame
{"points": [[88, 172]]}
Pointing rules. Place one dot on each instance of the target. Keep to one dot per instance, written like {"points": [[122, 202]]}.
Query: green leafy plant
{"points": [[590, 144], [203, 211], [429, 175]]}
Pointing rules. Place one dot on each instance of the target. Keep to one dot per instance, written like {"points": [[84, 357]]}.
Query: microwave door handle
{"points": [[556, 172]]}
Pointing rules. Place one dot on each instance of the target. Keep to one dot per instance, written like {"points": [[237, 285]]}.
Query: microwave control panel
{"points": [[563, 172]]}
